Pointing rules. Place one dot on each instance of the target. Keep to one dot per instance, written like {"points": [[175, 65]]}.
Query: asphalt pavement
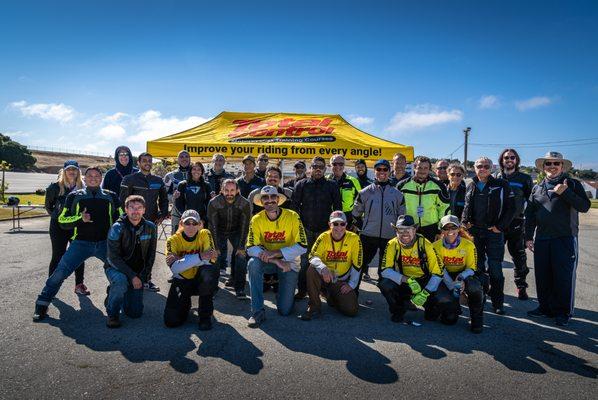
{"points": [[73, 354]]}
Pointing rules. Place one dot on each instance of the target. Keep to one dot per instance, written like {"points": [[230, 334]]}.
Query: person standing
{"points": [[456, 189], [124, 165], [249, 181], [551, 230], [361, 169], [228, 217], [399, 169], [275, 243], [171, 182], [377, 206], [489, 209], [427, 199], [440, 169], [193, 193], [300, 169], [90, 212], [262, 165], [216, 174], [69, 179], [314, 199], [348, 185], [153, 191], [521, 185], [189, 254], [131, 250], [335, 260], [273, 178]]}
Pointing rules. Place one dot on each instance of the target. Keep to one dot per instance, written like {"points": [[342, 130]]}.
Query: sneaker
{"points": [[499, 311], [256, 319], [40, 312], [562, 320], [82, 290], [300, 295], [538, 313], [241, 295], [396, 318], [522, 294], [205, 323], [310, 314], [229, 283], [113, 322], [149, 285]]}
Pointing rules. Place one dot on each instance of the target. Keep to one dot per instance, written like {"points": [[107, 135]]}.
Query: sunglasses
{"points": [[450, 228], [337, 164], [339, 223], [316, 166], [509, 158], [551, 163], [384, 169], [269, 196], [442, 168], [457, 174], [191, 223], [483, 166]]}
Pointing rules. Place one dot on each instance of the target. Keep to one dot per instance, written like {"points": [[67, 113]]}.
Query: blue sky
{"points": [[92, 75]]}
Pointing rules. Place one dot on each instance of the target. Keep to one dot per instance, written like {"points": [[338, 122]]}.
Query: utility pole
{"points": [[466, 132]]}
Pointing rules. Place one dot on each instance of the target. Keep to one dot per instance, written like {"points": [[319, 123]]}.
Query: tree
{"points": [[17, 155]]}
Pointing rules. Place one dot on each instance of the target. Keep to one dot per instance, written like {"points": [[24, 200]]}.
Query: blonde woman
{"points": [[69, 179]]}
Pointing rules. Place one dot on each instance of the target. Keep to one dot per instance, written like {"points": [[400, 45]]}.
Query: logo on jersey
{"points": [[409, 261], [453, 260], [338, 256], [275, 237]]}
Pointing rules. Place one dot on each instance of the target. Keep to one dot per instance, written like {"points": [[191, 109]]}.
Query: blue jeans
{"points": [[122, 295], [287, 282], [238, 265], [77, 252], [492, 246]]}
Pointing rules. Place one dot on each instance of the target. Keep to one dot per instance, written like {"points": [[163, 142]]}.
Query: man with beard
{"points": [[249, 181], [123, 160], [262, 165], [361, 169], [440, 169], [273, 178], [300, 169], [172, 180], [217, 173]]}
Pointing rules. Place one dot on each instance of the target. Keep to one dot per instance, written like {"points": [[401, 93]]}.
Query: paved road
{"points": [[73, 355], [24, 182]]}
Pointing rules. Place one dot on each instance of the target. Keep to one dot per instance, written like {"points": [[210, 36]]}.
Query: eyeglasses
{"points": [[339, 223], [191, 223], [441, 168], [509, 158], [338, 164], [457, 174], [483, 166], [383, 169], [317, 166], [551, 163]]}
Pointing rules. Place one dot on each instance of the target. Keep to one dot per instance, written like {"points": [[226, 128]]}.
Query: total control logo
{"points": [[275, 237], [409, 260], [302, 130], [336, 256], [453, 260]]}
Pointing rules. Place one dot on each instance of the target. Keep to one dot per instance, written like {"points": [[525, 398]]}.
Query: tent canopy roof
{"points": [[280, 135]]}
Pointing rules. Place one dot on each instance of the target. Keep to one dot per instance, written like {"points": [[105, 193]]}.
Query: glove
{"points": [[420, 298], [414, 286]]}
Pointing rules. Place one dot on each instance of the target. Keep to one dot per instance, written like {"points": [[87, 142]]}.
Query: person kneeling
{"points": [[131, 252], [335, 261], [189, 254], [410, 264], [459, 257]]}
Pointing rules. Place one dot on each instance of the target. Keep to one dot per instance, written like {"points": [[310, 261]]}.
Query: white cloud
{"points": [[112, 132], [50, 111], [422, 116], [116, 117], [534, 102], [360, 121], [488, 101], [151, 125]]}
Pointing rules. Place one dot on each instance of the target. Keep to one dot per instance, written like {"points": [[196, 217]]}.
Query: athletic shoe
{"points": [[149, 285], [522, 294], [562, 320], [539, 313], [256, 319], [40, 312], [113, 322], [310, 314], [81, 289], [205, 323], [499, 311]]}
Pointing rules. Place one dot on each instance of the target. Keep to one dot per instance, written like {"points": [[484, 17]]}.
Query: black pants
{"points": [[60, 238], [514, 237], [178, 303], [238, 263], [371, 245], [491, 245], [475, 300], [302, 279], [439, 304], [555, 265], [429, 232]]}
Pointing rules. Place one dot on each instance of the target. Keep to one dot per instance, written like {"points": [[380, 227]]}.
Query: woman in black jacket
{"points": [[194, 193], [456, 188], [69, 179]]}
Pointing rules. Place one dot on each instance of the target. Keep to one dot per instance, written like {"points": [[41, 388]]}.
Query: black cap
{"points": [[404, 221], [360, 161], [71, 164], [382, 162], [299, 164]]}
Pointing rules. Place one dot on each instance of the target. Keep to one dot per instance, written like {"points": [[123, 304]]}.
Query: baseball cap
{"points": [[299, 164], [337, 216], [449, 219], [249, 158], [190, 214], [382, 162], [71, 164]]}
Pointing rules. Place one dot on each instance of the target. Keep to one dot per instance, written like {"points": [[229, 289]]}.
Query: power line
{"points": [[454, 151], [530, 146], [538, 143]]}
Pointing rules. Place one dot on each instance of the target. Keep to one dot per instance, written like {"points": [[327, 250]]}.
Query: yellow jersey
{"points": [[178, 245], [284, 231], [338, 256], [409, 261], [458, 259]]}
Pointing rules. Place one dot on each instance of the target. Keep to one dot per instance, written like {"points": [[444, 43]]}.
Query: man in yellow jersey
{"points": [[275, 243], [335, 260], [459, 257], [411, 270]]}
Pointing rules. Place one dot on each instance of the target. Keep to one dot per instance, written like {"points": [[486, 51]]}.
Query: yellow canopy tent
{"points": [[280, 135]]}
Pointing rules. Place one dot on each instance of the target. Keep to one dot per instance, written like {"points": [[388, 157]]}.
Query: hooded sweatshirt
{"points": [[114, 177]]}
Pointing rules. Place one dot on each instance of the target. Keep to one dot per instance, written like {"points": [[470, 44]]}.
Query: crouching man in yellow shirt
{"points": [[335, 261]]}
